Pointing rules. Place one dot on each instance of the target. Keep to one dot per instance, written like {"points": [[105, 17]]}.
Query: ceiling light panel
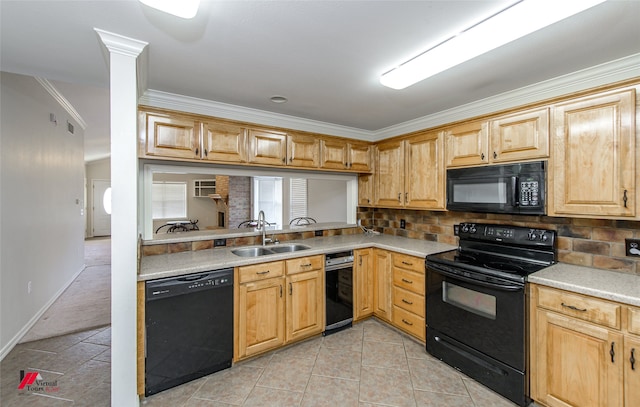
{"points": [[514, 22], [180, 8]]}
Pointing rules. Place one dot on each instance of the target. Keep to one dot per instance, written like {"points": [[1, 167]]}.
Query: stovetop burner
{"points": [[509, 252]]}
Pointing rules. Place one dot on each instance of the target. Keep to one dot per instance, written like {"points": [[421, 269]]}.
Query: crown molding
{"points": [[172, 101], [614, 71], [62, 101], [120, 44]]}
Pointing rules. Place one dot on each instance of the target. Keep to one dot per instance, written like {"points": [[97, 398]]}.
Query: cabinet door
{"points": [[224, 142], [305, 305], [363, 283], [261, 313], [267, 147], [334, 154], [574, 364], [631, 370], [389, 176], [365, 190], [382, 284], [520, 136], [172, 137], [303, 151], [467, 144], [594, 156], [359, 157], [424, 172]]}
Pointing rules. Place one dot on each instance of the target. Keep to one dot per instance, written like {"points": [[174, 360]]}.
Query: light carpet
{"points": [[86, 303]]}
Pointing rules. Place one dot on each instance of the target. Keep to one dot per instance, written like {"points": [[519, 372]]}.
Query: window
{"points": [[267, 195], [169, 200]]}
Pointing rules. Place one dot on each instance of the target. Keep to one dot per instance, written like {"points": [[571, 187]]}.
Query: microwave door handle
{"points": [[515, 194]]}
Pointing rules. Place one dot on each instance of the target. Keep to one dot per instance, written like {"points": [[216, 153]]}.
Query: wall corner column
{"points": [[124, 56]]}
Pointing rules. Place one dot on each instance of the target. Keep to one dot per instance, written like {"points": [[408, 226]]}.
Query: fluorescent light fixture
{"points": [[179, 8], [516, 21]]}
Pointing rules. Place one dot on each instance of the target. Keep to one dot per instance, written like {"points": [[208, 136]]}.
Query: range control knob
{"points": [[472, 229], [465, 227], [532, 235], [543, 237]]}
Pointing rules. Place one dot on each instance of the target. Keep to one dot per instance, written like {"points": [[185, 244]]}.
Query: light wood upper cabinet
{"points": [[170, 136], [339, 154], [365, 189], [593, 171], [267, 147], [382, 300], [224, 142], [410, 173], [467, 144], [363, 275], [303, 150], [513, 137], [520, 136]]}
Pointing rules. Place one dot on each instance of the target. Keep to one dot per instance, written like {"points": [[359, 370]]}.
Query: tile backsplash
{"points": [[595, 243]]}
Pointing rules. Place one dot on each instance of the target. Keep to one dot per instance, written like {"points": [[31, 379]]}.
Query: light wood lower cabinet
{"points": [[363, 277], [408, 294], [276, 303], [382, 302], [582, 350]]}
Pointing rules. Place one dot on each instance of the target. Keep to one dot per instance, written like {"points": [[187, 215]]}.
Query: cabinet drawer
{"points": [[409, 301], [408, 280], [302, 264], [260, 271], [583, 307], [408, 262], [634, 320], [409, 322]]}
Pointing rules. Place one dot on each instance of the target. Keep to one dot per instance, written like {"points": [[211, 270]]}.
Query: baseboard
{"points": [[16, 339]]}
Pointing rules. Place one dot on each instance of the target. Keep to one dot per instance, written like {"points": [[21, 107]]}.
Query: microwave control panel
{"points": [[529, 191]]}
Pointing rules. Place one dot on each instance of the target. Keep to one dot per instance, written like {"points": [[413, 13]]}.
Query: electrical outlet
{"points": [[318, 233], [632, 247], [29, 287], [219, 242], [403, 224]]}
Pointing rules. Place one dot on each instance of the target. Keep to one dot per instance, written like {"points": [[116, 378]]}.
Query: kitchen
{"points": [[580, 231]]}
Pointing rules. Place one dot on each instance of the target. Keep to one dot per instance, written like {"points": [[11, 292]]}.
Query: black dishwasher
{"points": [[189, 328]]}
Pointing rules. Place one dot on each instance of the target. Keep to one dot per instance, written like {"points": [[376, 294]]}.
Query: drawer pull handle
{"points": [[612, 352], [306, 265], [290, 289], [407, 281], [263, 272], [407, 263], [280, 290], [573, 307], [407, 302], [632, 359], [624, 198], [407, 322]]}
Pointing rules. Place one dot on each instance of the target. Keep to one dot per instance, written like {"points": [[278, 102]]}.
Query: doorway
{"points": [[101, 208]]}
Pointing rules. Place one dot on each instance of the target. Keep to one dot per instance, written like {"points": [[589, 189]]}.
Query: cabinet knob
{"points": [[482, 156], [206, 153], [495, 155], [399, 196], [197, 150], [284, 160]]}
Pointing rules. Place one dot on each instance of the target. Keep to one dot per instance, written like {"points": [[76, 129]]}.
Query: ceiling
{"points": [[324, 56]]}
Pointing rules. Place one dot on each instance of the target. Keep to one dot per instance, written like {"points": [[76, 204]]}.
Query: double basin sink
{"points": [[263, 251]]}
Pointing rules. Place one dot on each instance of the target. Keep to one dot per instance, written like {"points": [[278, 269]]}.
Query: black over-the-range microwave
{"points": [[511, 188]]}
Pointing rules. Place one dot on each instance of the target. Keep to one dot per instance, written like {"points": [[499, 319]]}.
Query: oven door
{"points": [[489, 317]]}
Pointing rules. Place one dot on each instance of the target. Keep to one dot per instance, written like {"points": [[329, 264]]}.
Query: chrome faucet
{"points": [[262, 226]]}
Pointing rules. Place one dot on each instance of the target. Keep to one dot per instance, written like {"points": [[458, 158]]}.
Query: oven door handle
{"points": [[333, 267], [446, 272]]}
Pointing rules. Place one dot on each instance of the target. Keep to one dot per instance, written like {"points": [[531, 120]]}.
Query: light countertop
{"points": [[610, 285], [176, 264]]}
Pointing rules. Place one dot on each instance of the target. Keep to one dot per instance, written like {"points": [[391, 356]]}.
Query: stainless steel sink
{"points": [[262, 251], [285, 248], [251, 251]]}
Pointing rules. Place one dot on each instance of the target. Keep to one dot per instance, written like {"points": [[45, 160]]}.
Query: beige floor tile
{"points": [[349, 339], [174, 397], [430, 399], [385, 355], [305, 350], [331, 392], [101, 338], [338, 363], [230, 386], [414, 349], [483, 397], [71, 357], [196, 402], [434, 376], [389, 387], [267, 397], [286, 374], [377, 332]]}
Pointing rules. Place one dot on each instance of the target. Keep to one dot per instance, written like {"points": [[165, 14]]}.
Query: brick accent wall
{"points": [[239, 200], [597, 243]]}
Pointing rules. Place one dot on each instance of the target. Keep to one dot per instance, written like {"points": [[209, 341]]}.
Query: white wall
{"points": [[42, 192], [327, 200], [94, 170]]}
